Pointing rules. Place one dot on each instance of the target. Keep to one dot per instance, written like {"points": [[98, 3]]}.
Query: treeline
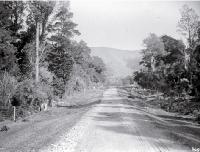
{"points": [[169, 66], [39, 59]]}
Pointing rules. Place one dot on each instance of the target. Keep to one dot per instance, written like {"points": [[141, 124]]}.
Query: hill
{"points": [[120, 63]]}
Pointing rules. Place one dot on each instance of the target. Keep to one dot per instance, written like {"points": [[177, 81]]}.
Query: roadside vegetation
{"points": [[40, 61], [170, 68]]}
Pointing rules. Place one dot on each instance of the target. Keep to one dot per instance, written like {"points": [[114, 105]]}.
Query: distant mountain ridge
{"points": [[120, 63]]}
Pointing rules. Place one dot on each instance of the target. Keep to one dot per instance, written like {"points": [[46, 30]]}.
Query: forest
{"points": [[172, 67], [40, 60]]}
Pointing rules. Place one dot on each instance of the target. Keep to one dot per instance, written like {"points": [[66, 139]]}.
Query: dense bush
{"points": [[42, 62], [172, 68], [8, 87]]}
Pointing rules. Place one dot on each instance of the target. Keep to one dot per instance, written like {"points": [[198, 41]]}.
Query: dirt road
{"points": [[115, 126]]}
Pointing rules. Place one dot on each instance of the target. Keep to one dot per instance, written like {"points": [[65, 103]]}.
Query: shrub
{"points": [[31, 96], [8, 86]]}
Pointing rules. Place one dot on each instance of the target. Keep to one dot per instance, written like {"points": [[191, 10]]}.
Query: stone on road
{"points": [[115, 126]]}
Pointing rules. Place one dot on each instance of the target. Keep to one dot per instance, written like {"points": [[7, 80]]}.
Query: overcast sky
{"points": [[123, 24]]}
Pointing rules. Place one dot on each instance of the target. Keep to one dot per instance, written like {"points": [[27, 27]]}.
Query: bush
{"points": [[74, 85], [31, 96], [8, 86]]}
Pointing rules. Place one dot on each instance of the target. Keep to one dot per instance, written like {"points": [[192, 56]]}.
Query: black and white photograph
{"points": [[99, 76]]}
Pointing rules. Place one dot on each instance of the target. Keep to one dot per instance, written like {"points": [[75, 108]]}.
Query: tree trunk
{"points": [[152, 64], [37, 53], [190, 41]]}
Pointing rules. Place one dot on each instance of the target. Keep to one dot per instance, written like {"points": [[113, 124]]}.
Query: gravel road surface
{"points": [[114, 125]]}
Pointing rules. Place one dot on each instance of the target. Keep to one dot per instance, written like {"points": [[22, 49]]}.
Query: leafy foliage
{"points": [[65, 66], [60, 63], [188, 24], [7, 52], [8, 87], [170, 66]]}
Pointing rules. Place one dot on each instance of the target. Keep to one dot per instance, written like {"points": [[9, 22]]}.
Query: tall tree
{"points": [[7, 53], [188, 24], [39, 14], [60, 56], [154, 47], [11, 18], [62, 27]]}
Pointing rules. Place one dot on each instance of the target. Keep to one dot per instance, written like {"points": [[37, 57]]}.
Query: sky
{"points": [[123, 24]]}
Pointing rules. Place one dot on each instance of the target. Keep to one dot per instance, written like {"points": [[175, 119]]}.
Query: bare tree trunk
{"points": [[37, 53], [153, 63]]}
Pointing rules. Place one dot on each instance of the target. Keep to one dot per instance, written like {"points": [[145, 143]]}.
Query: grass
{"points": [[44, 128], [80, 99]]}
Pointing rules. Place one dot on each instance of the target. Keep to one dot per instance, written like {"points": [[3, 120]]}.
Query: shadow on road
{"points": [[80, 105], [131, 122], [149, 125]]}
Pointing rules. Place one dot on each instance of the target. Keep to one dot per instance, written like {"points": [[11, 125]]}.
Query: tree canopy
{"points": [[37, 40]]}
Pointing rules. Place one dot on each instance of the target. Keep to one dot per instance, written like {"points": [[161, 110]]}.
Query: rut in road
{"points": [[115, 126]]}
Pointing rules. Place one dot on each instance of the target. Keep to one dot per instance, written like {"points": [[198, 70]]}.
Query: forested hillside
{"points": [[39, 60], [120, 63]]}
